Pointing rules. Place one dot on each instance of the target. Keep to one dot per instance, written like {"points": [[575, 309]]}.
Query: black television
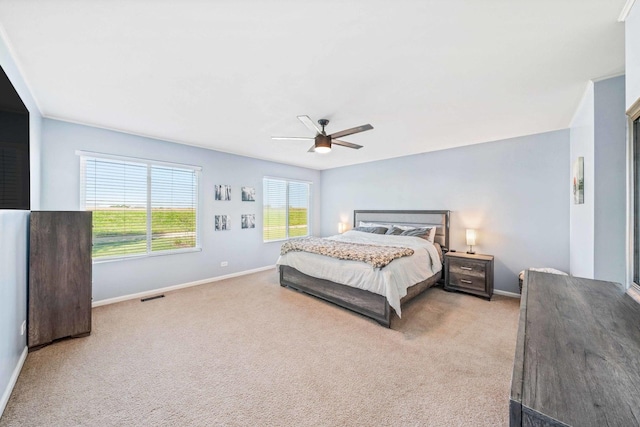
{"points": [[14, 148]]}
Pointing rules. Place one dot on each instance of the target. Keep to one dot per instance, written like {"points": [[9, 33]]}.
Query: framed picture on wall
{"points": [[223, 192], [248, 194], [248, 220], [223, 222], [578, 181]]}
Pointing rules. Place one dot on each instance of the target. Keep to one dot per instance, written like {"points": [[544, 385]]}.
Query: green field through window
{"points": [[275, 227], [123, 231], [285, 209]]}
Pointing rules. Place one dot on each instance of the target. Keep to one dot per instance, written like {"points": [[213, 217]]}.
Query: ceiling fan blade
{"points": [[312, 149], [294, 138], [351, 131], [310, 124], [346, 144]]}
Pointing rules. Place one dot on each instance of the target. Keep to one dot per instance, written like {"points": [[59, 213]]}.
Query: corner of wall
{"points": [[610, 151], [587, 97], [14, 242]]}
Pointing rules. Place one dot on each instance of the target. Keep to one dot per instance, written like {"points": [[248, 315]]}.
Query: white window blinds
{"points": [[139, 206], [286, 209]]}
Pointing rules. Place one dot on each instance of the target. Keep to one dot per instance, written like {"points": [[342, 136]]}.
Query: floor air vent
{"points": [[150, 298]]}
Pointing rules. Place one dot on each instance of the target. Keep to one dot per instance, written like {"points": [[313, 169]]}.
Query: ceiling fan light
{"points": [[323, 149]]}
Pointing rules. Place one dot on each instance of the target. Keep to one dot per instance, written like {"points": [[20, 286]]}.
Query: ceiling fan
{"points": [[322, 141]]}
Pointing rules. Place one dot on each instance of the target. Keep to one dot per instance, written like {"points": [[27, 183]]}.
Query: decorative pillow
{"points": [[371, 224], [395, 231], [423, 232], [439, 249], [374, 230]]}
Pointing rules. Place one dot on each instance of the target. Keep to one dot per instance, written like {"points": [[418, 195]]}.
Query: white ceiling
{"points": [[228, 74]]}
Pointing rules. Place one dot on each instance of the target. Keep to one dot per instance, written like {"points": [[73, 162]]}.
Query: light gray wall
{"points": [[610, 180], [582, 135], [598, 227], [514, 192], [242, 249], [13, 292], [632, 55], [13, 244]]}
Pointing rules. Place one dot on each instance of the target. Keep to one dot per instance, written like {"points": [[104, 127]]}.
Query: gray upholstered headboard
{"points": [[440, 219]]}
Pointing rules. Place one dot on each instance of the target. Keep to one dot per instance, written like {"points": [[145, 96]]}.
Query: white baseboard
{"points": [[176, 287], [12, 380], [506, 294]]}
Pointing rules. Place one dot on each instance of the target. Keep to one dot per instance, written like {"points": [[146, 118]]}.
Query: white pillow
{"points": [[432, 235]]}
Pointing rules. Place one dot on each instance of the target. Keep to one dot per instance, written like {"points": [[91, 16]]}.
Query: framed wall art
{"points": [[248, 194], [223, 222], [223, 192], [578, 181], [248, 221]]}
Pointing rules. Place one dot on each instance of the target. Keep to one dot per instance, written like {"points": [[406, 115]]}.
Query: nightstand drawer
{"points": [[468, 267], [468, 281]]}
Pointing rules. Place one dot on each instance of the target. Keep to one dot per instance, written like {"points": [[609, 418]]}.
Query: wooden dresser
{"points": [[577, 358], [59, 276]]}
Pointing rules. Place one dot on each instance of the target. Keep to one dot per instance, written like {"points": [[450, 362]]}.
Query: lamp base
{"points": [[471, 252]]}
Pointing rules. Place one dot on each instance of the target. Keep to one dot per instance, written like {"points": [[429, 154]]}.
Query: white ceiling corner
{"points": [[625, 10]]}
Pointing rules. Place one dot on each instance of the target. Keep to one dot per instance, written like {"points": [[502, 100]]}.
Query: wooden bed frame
{"points": [[364, 302]]}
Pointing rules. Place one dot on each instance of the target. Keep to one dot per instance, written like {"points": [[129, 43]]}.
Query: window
{"points": [[139, 207], [286, 209]]}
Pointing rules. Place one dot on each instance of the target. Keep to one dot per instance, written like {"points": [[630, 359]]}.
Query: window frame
{"points": [[633, 200], [287, 181], [84, 155]]}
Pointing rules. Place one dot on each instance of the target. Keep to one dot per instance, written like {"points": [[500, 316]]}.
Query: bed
{"points": [[342, 282]]}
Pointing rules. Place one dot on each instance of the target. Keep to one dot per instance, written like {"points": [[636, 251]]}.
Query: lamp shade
{"points": [[471, 237], [342, 227]]}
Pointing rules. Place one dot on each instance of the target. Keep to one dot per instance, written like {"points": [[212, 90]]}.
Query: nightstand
{"points": [[471, 273]]}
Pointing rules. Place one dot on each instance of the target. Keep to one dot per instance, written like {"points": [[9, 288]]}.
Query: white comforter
{"points": [[391, 281]]}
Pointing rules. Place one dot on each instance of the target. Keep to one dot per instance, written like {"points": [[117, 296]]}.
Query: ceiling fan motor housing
{"points": [[323, 141]]}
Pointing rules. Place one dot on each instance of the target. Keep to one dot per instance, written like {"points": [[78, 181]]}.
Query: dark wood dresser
{"points": [[59, 298], [471, 273], [577, 358]]}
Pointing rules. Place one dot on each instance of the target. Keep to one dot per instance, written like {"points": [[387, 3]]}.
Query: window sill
{"points": [[285, 239], [147, 255]]}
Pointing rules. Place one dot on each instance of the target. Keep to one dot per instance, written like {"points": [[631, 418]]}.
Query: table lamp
{"points": [[471, 240]]}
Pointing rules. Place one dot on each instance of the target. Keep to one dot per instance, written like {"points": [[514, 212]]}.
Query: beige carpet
{"points": [[247, 352]]}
